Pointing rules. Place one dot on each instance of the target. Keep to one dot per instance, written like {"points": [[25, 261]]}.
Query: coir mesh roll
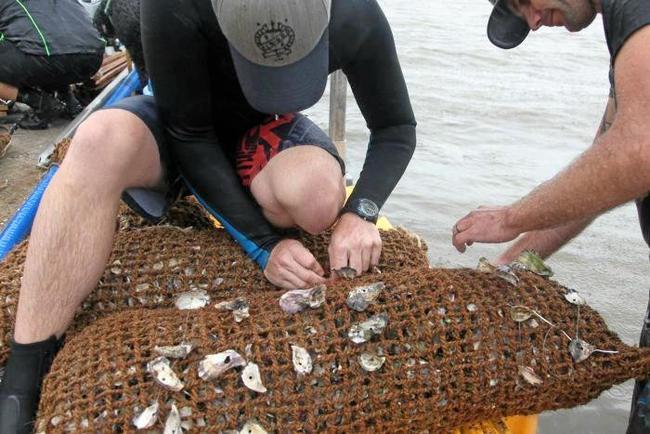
{"points": [[150, 265], [60, 149], [454, 354]]}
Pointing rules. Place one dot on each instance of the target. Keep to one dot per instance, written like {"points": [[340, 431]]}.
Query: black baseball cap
{"points": [[280, 49], [505, 29]]}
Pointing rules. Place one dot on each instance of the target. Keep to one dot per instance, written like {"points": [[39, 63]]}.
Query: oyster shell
{"points": [[213, 365], [238, 306], [485, 266], [364, 331], [505, 272], [580, 350], [174, 352], [520, 313], [192, 300], [363, 296], [173, 423], [299, 299], [252, 427], [163, 374], [529, 375], [533, 262], [302, 363], [572, 296], [371, 362], [348, 273], [252, 379], [147, 417]]}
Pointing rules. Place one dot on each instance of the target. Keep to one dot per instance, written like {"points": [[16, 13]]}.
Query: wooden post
{"points": [[338, 94]]}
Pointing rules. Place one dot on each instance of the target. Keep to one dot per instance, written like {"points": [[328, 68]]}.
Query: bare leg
{"points": [[301, 186], [73, 232], [8, 92]]}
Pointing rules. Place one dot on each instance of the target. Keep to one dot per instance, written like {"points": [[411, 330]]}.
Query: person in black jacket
{"points": [[613, 171], [229, 78], [45, 45]]}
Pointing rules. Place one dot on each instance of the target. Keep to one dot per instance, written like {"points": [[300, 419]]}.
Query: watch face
{"points": [[368, 208]]}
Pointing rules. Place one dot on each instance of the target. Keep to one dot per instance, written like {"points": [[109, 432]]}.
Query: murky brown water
{"points": [[492, 125]]}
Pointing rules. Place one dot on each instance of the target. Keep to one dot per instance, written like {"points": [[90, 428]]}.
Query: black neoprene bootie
{"points": [[72, 105], [46, 107], [20, 390]]}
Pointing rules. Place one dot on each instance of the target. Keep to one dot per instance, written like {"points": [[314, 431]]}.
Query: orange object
{"points": [[523, 424]]}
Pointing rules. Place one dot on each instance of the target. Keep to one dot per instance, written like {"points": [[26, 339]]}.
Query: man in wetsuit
{"points": [[45, 46], [613, 171], [229, 79]]}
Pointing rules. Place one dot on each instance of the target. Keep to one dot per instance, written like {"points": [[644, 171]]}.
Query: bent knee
{"points": [[304, 185], [317, 208], [114, 144]]}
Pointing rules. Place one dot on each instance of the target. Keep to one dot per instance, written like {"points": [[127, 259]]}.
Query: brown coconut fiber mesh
{"points": [[60, 149], [453, 356], [149, 266], [186, 213]]}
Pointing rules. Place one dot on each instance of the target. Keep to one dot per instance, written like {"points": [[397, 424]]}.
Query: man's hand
{"points": [[355, 243], [292, 266], [484, 225]]}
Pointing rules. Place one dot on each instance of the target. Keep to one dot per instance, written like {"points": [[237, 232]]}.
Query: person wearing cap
{"points": [[229, 79], [611, 172]]}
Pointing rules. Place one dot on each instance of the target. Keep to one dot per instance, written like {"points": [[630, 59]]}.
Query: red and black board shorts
{"points": [[254, 150]]}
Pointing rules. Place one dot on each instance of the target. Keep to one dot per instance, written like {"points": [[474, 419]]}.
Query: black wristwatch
{"points": [[364, 208]]}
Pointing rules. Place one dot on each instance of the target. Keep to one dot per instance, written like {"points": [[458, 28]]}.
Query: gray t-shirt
{"points": [[621, 18], [48, 27]]}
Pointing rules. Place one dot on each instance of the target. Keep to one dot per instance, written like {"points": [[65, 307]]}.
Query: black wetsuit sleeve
{"points": [[377, 81], [176, 50]]}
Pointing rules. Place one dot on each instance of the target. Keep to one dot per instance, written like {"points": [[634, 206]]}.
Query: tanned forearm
{"points": [[614, 170], [610, 173], [544, 242]]}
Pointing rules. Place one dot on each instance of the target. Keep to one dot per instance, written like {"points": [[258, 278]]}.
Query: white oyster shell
{"points": [[302, 362], [371, 362], [173, 423], [252, 379], [213, 365], [163, 374], [192, 300], [147, 417]]}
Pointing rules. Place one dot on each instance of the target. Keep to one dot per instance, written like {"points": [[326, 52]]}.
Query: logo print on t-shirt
{"points": [[275, 40]]}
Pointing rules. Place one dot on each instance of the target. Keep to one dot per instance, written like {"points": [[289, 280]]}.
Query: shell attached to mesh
{"points": [[300, 299], [213, 365]]}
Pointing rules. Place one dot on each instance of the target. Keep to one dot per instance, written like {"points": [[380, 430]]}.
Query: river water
{"points": [[492, 124]]}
